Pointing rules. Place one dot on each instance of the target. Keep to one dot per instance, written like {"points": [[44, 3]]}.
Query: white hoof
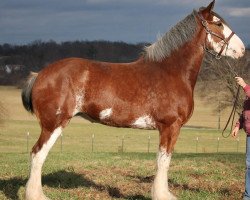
{"points": [[172, 197], [35, 195], [162, 195], [39, 197]]}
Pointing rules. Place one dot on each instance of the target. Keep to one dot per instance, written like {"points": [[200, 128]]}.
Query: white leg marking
{"points": [[160, 186], [145, 121], [34, 184], [104, 114]]}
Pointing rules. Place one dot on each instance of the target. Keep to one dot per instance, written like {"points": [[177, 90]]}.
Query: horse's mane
{"points": [[182, 32]]}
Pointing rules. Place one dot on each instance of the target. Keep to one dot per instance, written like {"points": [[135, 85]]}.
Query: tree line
{"points": [[38, 54]]}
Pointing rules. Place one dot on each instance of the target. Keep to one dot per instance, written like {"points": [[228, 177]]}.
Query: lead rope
{"points": [[232, 114]]}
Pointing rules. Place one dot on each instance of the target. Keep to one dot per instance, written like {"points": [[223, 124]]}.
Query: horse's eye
{"points": [[219, 24]]}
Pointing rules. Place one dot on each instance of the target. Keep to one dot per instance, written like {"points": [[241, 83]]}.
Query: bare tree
{"points": [[218, 84], [2, 112]]}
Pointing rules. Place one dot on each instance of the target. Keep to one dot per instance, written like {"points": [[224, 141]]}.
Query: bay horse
{"points": [[154, 92]]}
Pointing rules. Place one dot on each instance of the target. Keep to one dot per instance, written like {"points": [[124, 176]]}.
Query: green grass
{"points": [[125, 176], [77, 173]]}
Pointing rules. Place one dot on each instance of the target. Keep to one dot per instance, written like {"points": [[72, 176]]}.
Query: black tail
{"points": [[27, 91]]}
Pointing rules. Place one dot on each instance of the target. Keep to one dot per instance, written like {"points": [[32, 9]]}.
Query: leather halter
{"points": [[208, 31]]}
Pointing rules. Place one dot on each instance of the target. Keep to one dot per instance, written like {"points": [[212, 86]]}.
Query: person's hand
{"points": [[240, 81], [235, 132]]}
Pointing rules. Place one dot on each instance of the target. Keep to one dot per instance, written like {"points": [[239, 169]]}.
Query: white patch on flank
{"points": [[58, 111], [105, 113], [144, 122], [34, 185], [80, 92], [160, 186], [79, 100]]}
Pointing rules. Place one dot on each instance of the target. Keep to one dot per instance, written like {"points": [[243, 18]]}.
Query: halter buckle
{"points": [[217, 56], [204, 23]]}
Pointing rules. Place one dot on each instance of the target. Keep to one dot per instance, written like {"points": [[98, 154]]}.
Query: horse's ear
{"points": [[206, 11], [210, 7]]}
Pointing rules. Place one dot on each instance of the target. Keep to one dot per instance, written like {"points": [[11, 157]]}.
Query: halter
{"points": [[208, 31]]}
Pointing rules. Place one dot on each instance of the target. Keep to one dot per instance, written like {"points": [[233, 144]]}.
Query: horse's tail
{"points": [[27, 92]]}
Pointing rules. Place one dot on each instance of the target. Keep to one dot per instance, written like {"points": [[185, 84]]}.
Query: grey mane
{"points": [[182, 32]]}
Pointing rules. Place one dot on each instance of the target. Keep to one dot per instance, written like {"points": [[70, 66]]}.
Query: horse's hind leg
{"points": [[51, 130], [38, 156]]}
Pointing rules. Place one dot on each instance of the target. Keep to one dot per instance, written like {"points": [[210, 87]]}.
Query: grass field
{"points": [[203, 166], [125, 176]]}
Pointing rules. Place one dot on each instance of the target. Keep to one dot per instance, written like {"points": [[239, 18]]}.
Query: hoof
{"points": [[163, 195], [172, 197], [43, 197], [35, 196]]}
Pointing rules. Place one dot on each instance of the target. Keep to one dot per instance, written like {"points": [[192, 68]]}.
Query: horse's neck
{"points": [[188, 59]]}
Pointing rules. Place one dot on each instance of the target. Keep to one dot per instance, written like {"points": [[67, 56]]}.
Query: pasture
{"points": [[120, 167]]}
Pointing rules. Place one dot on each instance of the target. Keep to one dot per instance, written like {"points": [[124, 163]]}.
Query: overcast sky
{"points": [[133, 21]]}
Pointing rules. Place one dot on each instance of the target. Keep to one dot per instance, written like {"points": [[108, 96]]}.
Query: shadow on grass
{"points": [[182, 186], [70, 180], [11, 186], [142, 179], [66, 180]]}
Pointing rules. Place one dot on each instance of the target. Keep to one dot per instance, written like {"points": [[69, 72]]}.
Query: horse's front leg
{"points": [[168, 137]]}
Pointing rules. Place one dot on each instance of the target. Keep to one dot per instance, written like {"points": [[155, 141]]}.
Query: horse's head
{"points": [[220, 38]]}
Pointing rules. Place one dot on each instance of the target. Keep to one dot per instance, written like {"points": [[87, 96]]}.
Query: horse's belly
{"points": [[124, 119], [143, 122]]}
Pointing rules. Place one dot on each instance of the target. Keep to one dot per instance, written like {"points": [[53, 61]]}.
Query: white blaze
{"points": [[235, 48]]}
